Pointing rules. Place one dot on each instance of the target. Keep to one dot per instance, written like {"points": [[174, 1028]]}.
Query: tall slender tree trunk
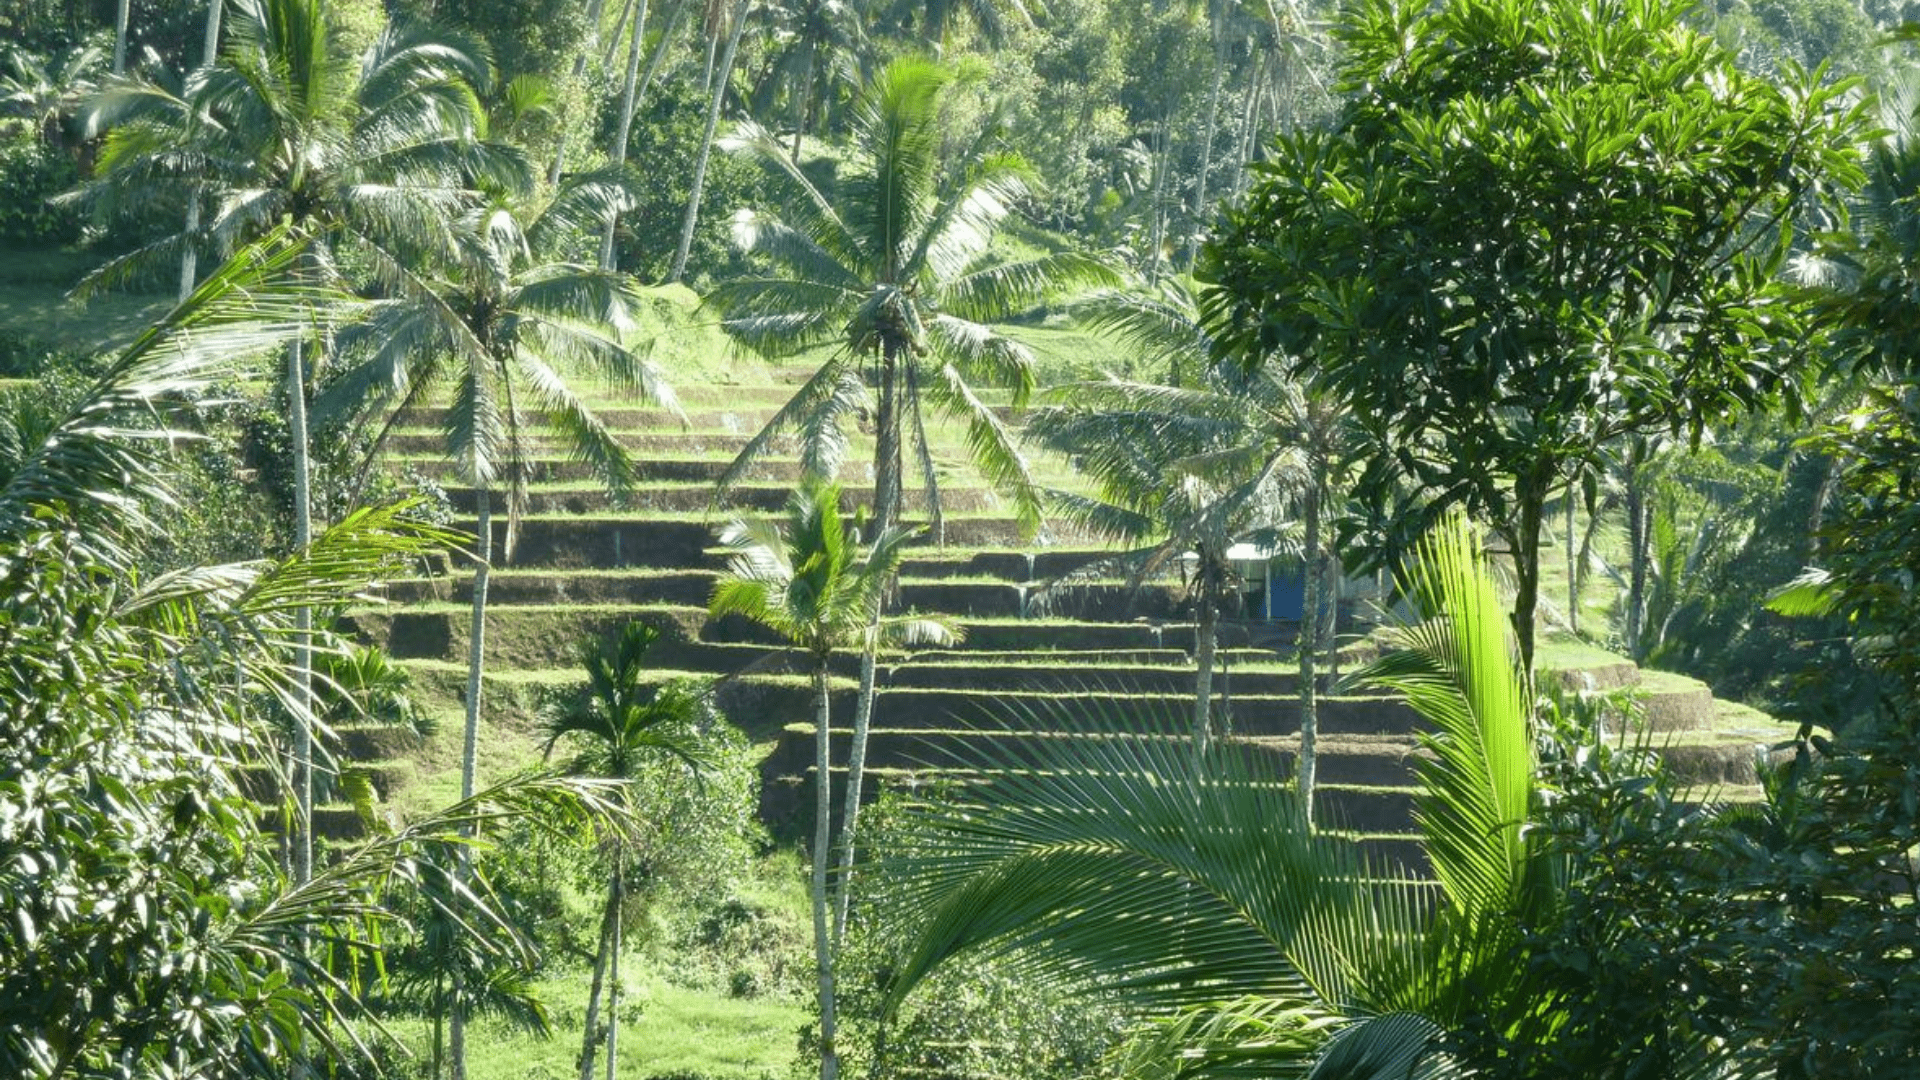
{"points": [[1573, 567], [1637, 541], [1309, 651], [719, 96], [1206, 138], [1205, 622], [822, 853], [595, 9], [589, 1040], [1164, 165], [302, 620], [856, 774], [806, 101], [628, 99], [189, 252], [210, 44], [888, 437], [120, 13], [1250, 119], [470, 743], [439, 1028], [613, 969]]}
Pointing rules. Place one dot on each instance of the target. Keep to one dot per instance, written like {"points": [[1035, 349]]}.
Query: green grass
{"points": [[666, 1030], [33, 302]]}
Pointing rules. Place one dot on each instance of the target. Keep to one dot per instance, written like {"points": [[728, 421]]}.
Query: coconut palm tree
{"points": [[821, 45], [1192, 888], [896, 271], [498, 327], [737, 25], [619, 722], [371, 155], [1211, 456], [812, 584]]}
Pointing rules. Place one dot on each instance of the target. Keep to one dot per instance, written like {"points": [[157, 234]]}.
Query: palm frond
{"points": [[1457, 669]]}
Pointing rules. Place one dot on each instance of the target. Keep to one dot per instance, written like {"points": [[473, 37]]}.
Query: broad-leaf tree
{"points": [[812, 583], [1534, 228]]}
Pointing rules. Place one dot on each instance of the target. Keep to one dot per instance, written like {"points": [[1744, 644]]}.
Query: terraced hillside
{"points": [[584, 566]]}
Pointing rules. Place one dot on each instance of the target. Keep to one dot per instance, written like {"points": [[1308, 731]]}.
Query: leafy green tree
{"points": [[812, 584], [1193, 890], [619, 722], [1535, 228]]}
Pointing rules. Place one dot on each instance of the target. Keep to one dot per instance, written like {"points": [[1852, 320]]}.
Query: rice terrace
{"points": [[1058, 539]]}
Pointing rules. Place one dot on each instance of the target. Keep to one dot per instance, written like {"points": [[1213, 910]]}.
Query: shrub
{"points": [[31, 174]]}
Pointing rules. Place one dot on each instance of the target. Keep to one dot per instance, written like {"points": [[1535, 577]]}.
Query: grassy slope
{"points": [[33, 302]]}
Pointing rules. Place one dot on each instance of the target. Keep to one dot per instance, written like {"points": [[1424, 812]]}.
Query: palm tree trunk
{"points": [[856, 775], [477, 636], [625, 130], [1206, 139], [1203, 649], [706, 143], [589, 1042], [1637, 542], [210, 45], [1161, 168], [189, 255], [120, 13], [302, 621], [806, 100], [1309, 653], [439, 1016], [1573, 576], [470, 743], [613, 970], [887, 461], [595, 9], [822, 841]]}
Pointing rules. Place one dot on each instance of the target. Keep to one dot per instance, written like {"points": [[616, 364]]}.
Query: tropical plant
{"points": [[619, 721], [497, 327], [1212, 457], [1485, 260], [896, 270], [49, 92], [812, 584], [1191, 888], [821, 46], [152, 931], [370, 156]]}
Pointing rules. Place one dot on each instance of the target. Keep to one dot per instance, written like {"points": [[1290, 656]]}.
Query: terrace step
{"points": [[701, 498], [745, 415], [1049, 711], [674, 443], [1067, 673], [1369, 813], [559, 469], [610, 542]]}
